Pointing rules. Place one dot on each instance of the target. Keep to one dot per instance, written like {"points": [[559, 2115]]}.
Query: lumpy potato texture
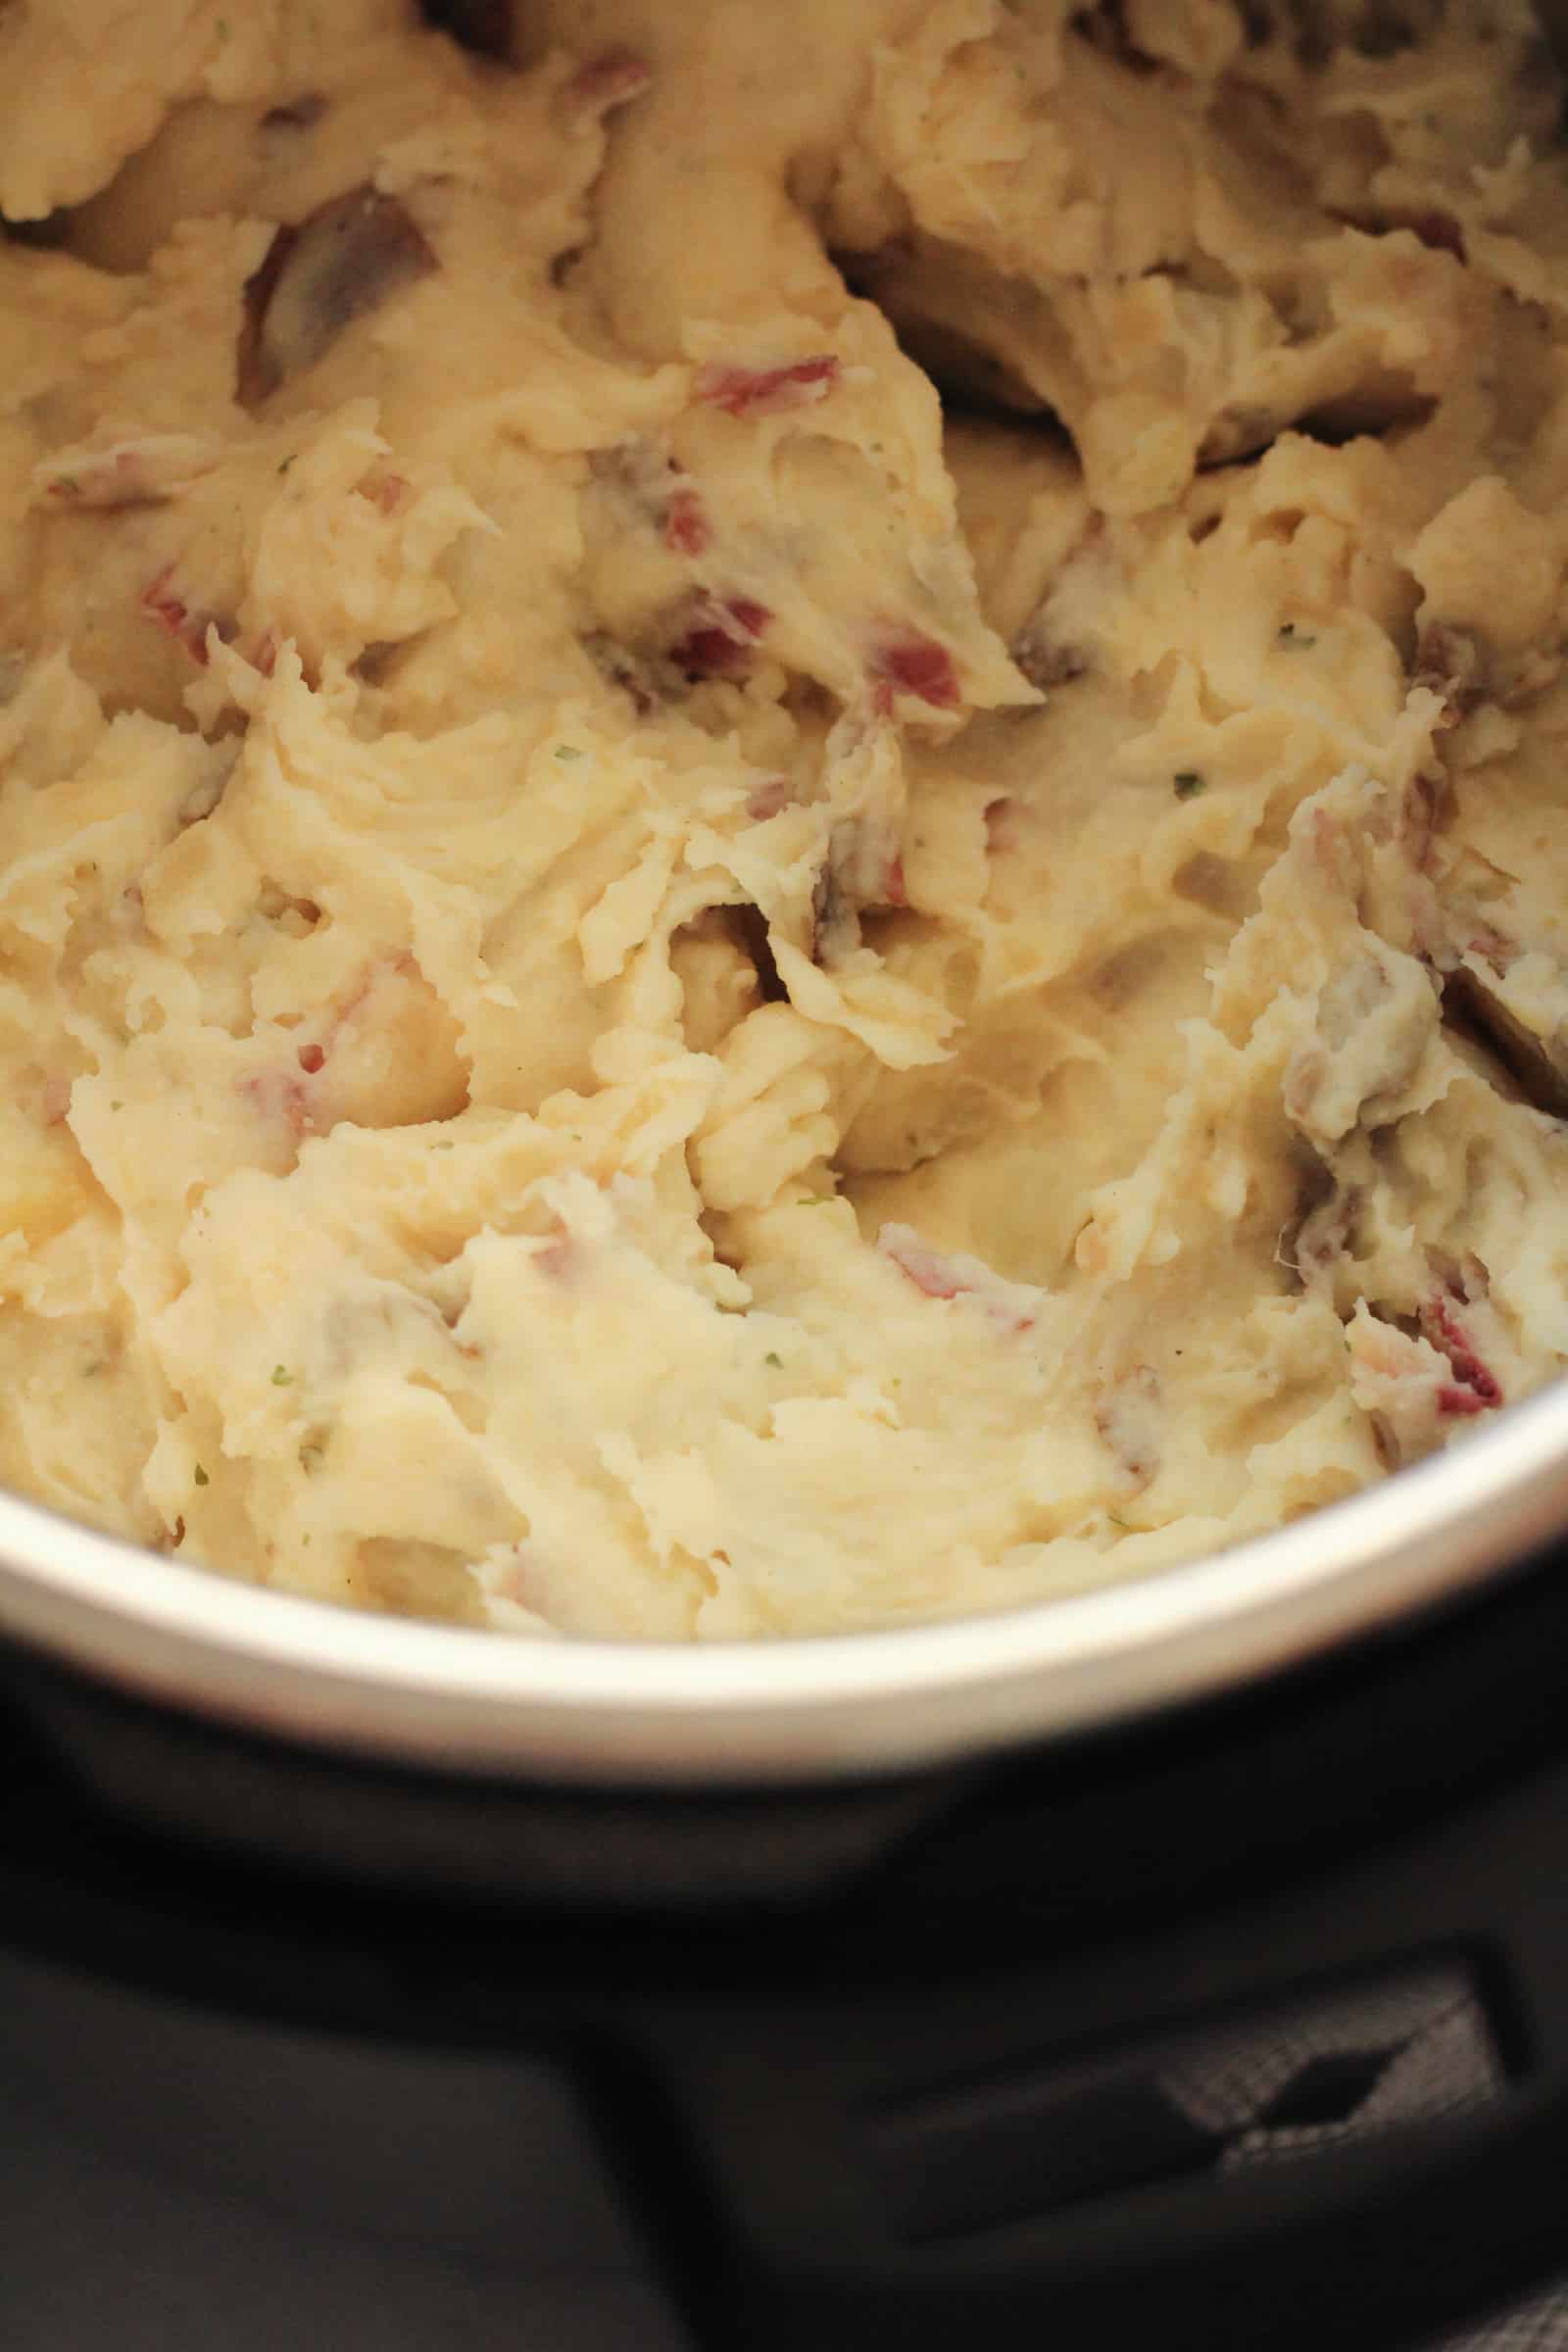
{"points": [[783, 828]]}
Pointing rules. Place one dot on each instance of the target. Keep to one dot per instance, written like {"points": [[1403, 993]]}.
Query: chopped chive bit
{"points": [[569, 751], [282, 1377], [200, 1476], [777, 1361], [1189, 783]]}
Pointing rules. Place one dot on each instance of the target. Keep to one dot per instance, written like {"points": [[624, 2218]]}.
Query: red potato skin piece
{"points": [[769, 799], [929, 1272], [687, 530], [170, 613], [560, 1259], [710, 654], [1461, 1404], [275, 1094], [721, 643], [188, 629], [934, 1277], [1475, 1388], [916, 666], [280, 1093], [767, 391], [389, 493]]}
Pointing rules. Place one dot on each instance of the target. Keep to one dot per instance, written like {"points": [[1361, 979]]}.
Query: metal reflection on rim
{"points": [[797, 1709]]}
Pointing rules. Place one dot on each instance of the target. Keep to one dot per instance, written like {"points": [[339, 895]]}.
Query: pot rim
{"points": [[826, 1707]]}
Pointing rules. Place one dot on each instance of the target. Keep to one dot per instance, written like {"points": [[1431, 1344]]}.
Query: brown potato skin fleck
{"points": [[345, 260]]}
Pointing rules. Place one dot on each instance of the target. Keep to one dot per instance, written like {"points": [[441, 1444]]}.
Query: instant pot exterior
{"points": [[947, 1980]]}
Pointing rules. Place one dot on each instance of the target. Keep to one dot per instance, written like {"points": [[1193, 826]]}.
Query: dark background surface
{"points": [[350, 2083]]}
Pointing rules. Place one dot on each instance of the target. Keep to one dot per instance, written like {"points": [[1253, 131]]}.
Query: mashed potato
{"points": [[655, 981]]}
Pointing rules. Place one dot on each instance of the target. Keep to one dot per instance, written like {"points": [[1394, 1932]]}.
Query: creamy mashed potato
{"points": [[656, 979]]}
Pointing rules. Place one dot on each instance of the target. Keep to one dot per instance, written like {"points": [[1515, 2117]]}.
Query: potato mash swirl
{"points": [[783, 791]]}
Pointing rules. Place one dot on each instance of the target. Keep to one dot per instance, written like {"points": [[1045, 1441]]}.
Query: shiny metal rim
{"points": [[787, 1711]]}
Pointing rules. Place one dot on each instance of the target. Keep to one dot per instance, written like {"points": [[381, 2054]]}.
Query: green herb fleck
{"points": [[200, 1476], [287, 462], [117, 1106], [443, 1143], [1116, 1520], [569, 751], [1294, 640], [1189, 783], [311, 1460], [68, 485], [223, 29], [777, 1361], [282, 1377]]}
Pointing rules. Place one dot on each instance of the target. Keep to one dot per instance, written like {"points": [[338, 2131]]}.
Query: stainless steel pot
{"points": [[794, 1711]]}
